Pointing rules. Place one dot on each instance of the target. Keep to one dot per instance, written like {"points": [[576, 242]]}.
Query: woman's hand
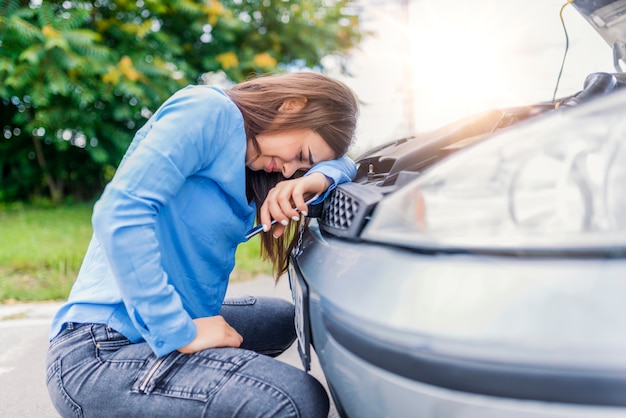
{"points": [[213, 332], [286, 196]]}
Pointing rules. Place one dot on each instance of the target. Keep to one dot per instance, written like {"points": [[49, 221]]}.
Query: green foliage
{"points": [[248, 261], [42, 247], [78, 78]]}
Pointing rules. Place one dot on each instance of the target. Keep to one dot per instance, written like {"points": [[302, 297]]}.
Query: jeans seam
{"points": [[56, 378], [66, 336], [101, 347]]}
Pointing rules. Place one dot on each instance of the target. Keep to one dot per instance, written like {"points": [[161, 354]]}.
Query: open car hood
{"points": [[388, 168], [608, 18]]}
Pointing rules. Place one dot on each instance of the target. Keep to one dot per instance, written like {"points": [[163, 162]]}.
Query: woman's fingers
{"points": [[299, 203], [287, 200], [278, 230], [278, 205], [213, 331]]}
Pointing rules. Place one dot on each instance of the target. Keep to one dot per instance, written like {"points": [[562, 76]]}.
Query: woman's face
{"points": [[288, 151]]}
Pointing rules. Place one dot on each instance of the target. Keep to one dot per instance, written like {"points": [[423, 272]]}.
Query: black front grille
{"points": [[348, 208], [341, 210]]}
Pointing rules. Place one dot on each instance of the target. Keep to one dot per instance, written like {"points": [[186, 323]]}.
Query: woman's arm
{"points": [[288, 195], [184, 138], [341, 170]]}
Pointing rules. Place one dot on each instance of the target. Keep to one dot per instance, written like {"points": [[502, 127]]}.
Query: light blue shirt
{"points": [[167, 226]]}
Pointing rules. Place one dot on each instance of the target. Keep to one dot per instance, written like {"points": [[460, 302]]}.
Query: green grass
{"points": [[41, 249]]}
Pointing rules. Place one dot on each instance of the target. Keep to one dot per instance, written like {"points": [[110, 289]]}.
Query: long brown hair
{"points": [[331, 110]]}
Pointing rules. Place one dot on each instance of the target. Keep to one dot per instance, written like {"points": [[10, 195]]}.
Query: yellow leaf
{"points": [[214, 9], [264, 60], [125, 63], [144, 28], [112, 76], [227, 60], [50, 32], [126, 67]]}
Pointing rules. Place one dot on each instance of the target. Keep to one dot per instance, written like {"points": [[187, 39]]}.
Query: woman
{"points": [[146, 330]]}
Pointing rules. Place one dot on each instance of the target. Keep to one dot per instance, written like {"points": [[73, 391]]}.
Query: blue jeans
{"points": [[92, 371]]}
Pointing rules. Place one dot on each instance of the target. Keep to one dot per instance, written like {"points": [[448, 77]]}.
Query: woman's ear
{"points": [[293, 105]]}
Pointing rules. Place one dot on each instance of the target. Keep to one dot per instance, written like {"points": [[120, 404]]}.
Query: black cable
{"points": [[566, 48]]}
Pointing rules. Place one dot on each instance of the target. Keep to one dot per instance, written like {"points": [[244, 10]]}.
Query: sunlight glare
{"points": [[459, 64]]}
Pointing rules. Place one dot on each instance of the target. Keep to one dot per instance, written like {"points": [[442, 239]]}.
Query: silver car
{"points": [[479, 270]]}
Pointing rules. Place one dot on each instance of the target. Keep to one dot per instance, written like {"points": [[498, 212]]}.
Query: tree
{"points": [[79, 77]]}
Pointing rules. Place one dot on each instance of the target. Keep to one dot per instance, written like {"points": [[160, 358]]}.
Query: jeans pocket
{"points": [[113, 347], [195, 376], [75, 331]]}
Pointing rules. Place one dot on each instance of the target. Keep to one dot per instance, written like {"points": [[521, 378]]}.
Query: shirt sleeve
{"points": [[341, 170], [184, 136]]}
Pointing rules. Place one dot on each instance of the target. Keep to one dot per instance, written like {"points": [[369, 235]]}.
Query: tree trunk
{"points": [[56, 191]]}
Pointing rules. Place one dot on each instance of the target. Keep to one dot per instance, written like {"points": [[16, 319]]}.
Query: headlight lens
{"points": [[556, 183]]}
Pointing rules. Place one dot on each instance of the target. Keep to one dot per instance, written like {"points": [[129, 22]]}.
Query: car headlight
{"points": [[557, 183]]}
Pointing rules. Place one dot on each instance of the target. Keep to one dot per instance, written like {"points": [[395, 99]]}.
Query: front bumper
{"points": [[400, 333]]}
